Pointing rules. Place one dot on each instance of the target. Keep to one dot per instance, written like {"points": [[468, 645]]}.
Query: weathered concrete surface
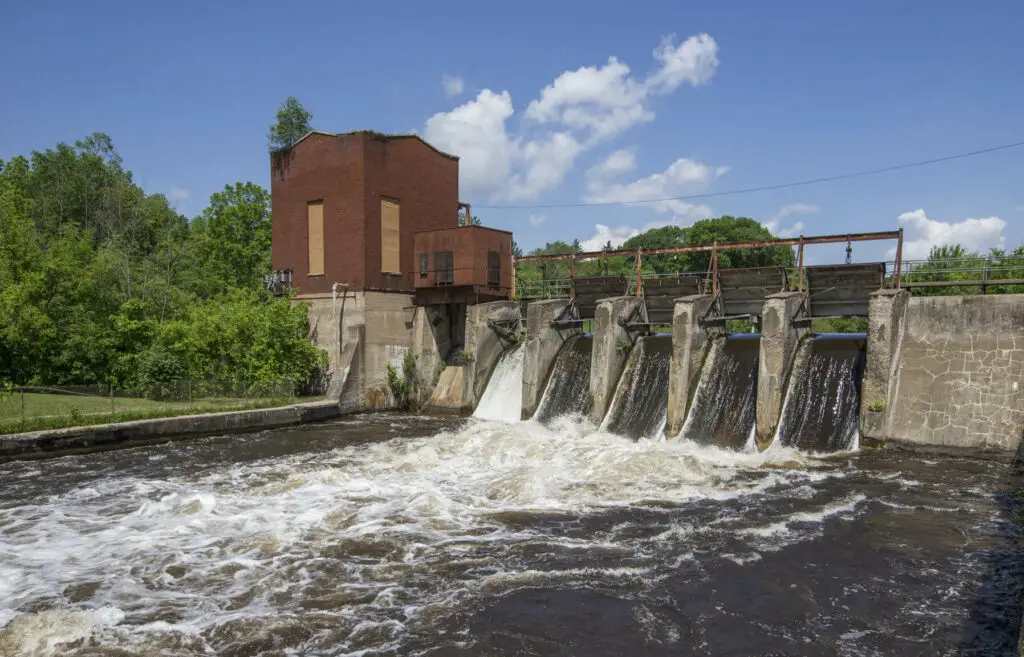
{"points": [[543, 341], [484, 344], [886, 322], [960, 376], [362, 333], [608, 358], [428, 324], [690, 345], [779, 341], [449, 393], [60, 442]]}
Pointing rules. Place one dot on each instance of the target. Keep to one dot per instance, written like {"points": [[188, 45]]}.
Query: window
{"points": [[493, 269], [390, 240], [444, 262], [315, 237], [424, 265]]}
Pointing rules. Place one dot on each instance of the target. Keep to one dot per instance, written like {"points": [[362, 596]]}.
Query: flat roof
{"points": [[373, 133], [437, 230]]}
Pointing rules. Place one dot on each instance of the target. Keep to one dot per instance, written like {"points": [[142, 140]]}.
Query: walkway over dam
{"points": [[650, 356]]}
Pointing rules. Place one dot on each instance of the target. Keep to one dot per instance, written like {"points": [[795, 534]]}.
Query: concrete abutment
{"points": [[543, 342], [610, 351], [780, 336], [690, 345]]}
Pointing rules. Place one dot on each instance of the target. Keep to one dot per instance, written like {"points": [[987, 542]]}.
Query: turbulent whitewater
{"points": [[389, 534], [503, 397]]}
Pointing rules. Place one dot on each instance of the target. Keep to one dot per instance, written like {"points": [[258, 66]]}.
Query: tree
{"points": [[291, 126], [232, 239], [473, 221]]}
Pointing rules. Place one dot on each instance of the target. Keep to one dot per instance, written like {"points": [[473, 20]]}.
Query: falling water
{"points": [[820, 413], [568, 389], [725, 406], [641, 402], [503, 398]]}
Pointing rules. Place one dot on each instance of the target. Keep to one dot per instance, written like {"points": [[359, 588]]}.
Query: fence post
{"points": [[800, 266], [899, 260], [639, 273], [714, 267]]}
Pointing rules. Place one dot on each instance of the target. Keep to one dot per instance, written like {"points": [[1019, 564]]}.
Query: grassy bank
{"points": [[36, 411]]}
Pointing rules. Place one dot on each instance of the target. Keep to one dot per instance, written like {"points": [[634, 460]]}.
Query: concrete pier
{"points": [[690, 346], [780, 338], [484, 345], [608, 356], [887, 311], [543, 342]]}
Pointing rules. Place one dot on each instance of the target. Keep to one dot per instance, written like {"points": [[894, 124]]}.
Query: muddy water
{"points": [[395, 535]]}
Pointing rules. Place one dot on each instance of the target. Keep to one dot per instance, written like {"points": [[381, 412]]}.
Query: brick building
{"points": [[367, 226]]}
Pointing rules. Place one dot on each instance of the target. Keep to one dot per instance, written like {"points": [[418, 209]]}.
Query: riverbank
{"points": [[75, 440]]}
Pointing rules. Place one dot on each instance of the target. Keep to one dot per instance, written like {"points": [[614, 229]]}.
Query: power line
{"points": [[762, 188]]}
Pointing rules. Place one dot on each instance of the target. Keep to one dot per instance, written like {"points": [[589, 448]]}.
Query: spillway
{"points": [[503, 398], [725, 406], [641, 402], [568, 389], [822, 404]]}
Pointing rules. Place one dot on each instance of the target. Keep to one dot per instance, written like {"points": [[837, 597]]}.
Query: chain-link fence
{"points": [[31, 408]]}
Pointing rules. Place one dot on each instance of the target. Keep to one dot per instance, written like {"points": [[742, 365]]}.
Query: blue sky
{"points": [[701, 97]]}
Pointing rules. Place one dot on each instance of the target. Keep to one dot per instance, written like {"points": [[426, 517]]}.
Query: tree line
{"points": [[103, 283]]}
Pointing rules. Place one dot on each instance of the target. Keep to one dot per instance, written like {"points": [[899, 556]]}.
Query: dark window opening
{"points": [[493, 269], [444, 263], [424, 265]]}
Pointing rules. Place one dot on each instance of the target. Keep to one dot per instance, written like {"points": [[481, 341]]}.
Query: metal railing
{"points": [[976, 271]]}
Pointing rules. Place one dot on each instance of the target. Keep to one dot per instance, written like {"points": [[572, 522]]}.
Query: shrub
{"points": [[160, 373], [877, 406], [403, 386], [463, 357]]}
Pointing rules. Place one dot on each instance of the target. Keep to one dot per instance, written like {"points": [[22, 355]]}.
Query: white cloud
{"points": [[453, 85], [694, 60], [923, 233], [774, 225], [682, 177], [475, 131], [620, 162], [605, 234], [545, 164], [577, 111], [537, 219]]}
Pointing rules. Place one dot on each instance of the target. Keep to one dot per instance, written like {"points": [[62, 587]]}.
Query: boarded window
{"points": [[493, 269], [444, 263], [390, 242], [315, 236]]}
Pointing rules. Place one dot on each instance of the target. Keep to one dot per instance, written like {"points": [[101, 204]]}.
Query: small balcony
{"points": [[465, 264]]}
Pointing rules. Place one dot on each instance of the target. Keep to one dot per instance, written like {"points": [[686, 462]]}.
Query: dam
{"points": [[679, 466]]}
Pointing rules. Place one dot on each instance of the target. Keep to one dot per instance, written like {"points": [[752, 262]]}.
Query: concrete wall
{"points": [[484, 344], [886, 323], [960, 376], [607, 359], [690, 345], [543, 341], [780, 338]]}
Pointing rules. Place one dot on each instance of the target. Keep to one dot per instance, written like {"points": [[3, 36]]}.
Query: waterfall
{"points": [[568, 389], [725, 406], [640, 406], [823, 401], [503, 398]]}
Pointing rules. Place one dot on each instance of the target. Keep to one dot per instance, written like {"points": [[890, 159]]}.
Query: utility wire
{"points": [[763, 188]]}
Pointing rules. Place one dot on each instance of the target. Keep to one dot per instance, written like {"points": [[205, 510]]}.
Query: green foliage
{"points": [[160, 371], [877, 406], [463, 357], [403, 386], [103, 283], [955, 263], [840, 325], [292, 125], [473, 221], [625, 345]]}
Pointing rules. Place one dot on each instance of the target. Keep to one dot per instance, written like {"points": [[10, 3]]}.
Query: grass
{"points": [[49, 411]]}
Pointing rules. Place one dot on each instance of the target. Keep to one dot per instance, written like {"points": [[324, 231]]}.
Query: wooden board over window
{"points": [[390, 241], [315, 236]]}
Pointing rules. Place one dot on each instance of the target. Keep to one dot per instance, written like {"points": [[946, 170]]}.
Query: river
{"points": [[402, 535]]}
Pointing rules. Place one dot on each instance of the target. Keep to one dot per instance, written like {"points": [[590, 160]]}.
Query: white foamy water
{"points": [[354, 548], [503, 398]]}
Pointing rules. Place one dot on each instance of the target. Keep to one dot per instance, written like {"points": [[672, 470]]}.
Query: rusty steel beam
{"points": [[821, 239], [899, 260]]}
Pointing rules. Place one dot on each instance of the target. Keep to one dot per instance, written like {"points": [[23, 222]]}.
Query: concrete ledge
{"points": [[75, 440]]}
